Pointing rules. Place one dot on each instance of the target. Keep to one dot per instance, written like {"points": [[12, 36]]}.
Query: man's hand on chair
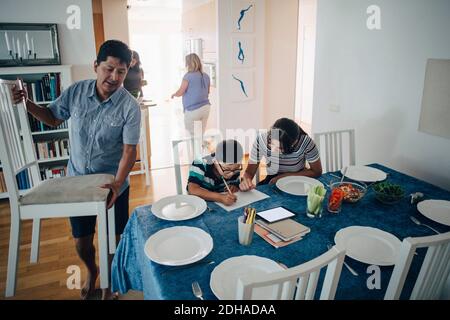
{"points": [[114, 194]]}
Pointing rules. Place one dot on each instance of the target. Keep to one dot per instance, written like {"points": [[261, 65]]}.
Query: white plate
{"points": [[365, 174], [224, 277], [436, 210], [297, 185], [179, 207], [369, 245], [178, 246]]}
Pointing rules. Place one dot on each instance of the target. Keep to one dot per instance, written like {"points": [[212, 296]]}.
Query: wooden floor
{"points": [[47, 279]]}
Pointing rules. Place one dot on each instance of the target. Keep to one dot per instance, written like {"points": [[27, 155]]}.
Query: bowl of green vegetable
{"points": [[388, 193]]}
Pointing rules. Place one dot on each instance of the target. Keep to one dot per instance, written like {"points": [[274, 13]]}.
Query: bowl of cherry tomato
{"points": [[353, 191]]}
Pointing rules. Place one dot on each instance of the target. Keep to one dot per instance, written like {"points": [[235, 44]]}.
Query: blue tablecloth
{"points": [[131, 269]]}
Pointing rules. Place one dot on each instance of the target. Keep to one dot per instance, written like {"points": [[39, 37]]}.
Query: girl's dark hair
{"points": [[288, 133], [135, 55], [229, 151], [116, 49]]}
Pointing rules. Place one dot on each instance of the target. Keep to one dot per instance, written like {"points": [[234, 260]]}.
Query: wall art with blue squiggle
{"points": [[242, 52], [243, 12], [242, 86]]}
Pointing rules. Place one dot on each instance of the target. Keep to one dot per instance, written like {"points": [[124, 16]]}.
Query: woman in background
{"points": [[135, 77], [195, 91]]}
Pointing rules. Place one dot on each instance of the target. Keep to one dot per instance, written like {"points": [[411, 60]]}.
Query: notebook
{"points": [[275, 214], [272, 239], [285, 229]]}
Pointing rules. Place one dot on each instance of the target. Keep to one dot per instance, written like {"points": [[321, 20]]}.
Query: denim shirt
{"points": [[98, 130]]}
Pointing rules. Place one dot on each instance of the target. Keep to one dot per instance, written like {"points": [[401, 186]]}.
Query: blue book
{"points": [[39, 96]]}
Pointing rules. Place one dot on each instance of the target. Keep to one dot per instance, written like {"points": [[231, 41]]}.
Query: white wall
{"points": [[77, 46], [376, 79], [249, 114], [115, 20], [280, 60]]}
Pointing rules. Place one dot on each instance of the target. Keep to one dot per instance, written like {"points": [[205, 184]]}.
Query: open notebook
{"points": [[244, 199]]}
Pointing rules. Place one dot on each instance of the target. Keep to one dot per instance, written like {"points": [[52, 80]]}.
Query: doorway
{"points": [[305, 63]]}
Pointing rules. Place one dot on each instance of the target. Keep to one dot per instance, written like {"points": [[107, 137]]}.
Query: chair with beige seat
{"points": [[55, 198]]}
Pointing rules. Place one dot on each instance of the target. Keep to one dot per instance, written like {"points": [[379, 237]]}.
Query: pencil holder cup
{"points": [[245, 231]]}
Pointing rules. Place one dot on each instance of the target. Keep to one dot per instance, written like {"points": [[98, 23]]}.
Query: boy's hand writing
{"points": [[228, 199]]}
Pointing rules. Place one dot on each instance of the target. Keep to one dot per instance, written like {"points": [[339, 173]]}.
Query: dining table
{"points": [[133, 270]]}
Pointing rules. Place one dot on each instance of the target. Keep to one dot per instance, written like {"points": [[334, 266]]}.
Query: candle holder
{"points": [[29, 44]]}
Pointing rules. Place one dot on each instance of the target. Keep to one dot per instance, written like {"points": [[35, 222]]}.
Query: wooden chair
{"points": [[336, 149], [433, 274], [299, 282], [54, 198]]}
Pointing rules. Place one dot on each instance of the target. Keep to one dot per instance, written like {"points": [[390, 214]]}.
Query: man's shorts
{"points": [[85, 226]]}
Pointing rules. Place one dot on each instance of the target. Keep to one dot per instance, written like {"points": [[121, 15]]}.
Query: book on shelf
{"points": [[48, 88], [55, 172], [56, 148], [38, 126], [2, 182], [23, 178]]}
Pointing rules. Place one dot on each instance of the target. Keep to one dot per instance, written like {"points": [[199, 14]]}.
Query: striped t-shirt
{"points": [[306, 150], [202, 173]]}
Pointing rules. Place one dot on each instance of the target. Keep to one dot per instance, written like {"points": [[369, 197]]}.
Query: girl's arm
{"points": [[182, 89]]}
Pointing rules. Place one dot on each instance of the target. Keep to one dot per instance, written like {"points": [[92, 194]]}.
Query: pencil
{"points": [[226, 185]]}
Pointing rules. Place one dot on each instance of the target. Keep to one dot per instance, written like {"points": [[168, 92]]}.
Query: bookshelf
{"points": [[44, 84]]}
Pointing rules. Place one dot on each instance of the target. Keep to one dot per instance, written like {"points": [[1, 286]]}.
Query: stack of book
{"points": [[52, 149], [281, 233], [55, 172]]}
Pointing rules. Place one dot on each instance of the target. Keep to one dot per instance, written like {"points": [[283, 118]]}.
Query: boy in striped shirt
{"points": [[207, 175]]}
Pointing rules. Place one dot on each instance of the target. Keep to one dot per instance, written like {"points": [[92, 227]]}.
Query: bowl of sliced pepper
{"points": [[335, 200], [353, 191]]}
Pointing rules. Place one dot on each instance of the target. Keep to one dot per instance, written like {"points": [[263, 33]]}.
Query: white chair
{"points": [[195, 145], [61, 197], [143, 150], [433, 274], [299, 282], [336, 149]]}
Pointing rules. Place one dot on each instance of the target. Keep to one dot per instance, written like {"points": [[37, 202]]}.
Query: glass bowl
{"points": [[388, 193], [354, 191]]}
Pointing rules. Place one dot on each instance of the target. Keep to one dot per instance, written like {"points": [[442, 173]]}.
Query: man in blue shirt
{"points": [[104, 132]]}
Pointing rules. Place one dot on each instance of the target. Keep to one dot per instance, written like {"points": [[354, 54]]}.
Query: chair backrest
{"points": [[196, 148], [336, 149], [16, 145], [299, 282], [434, 271]]}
